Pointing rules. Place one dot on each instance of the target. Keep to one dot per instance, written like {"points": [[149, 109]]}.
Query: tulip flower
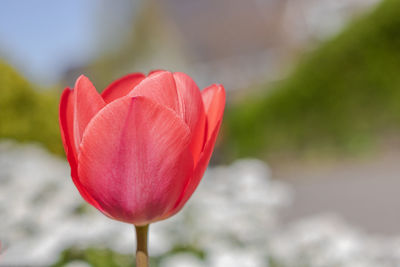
{"points": [[138, 150]]}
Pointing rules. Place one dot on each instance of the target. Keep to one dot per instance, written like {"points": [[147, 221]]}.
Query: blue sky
{"points": [[43, 37]]}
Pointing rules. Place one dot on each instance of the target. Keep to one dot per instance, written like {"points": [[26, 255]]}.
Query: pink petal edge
{"points": [[122, 86], [87, 103], [66, 110], [192, 108], [214, 105]]}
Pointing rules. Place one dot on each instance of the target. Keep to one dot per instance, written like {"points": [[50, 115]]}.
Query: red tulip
{"points": [[138, 150]]}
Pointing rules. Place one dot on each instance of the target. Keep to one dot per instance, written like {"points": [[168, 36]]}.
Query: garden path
{"points": [[365, 192]]}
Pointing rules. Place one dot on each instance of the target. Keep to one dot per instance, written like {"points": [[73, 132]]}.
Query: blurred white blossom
{"points": [[232, 218]]}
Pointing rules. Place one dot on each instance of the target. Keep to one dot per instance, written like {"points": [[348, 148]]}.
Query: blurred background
{"points": [[306, 170]]}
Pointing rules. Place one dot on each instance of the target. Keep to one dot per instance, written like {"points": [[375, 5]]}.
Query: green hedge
{"points": [[27, 115], [342, 96]]}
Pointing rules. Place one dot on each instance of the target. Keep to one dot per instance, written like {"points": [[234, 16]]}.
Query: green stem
{"points": [[142, 257]]}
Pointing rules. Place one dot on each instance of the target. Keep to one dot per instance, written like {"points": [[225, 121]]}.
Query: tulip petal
{"points": [[122, 86], [214, 104], [87, 102], [135, 159], [192, 110], [199, 170], [66, 116], [155, 71], [161, 88], [66, 120]]}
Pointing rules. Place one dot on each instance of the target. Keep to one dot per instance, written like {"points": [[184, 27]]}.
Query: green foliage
{"points": [[98, 257], [340, 98], [27, 115], [95, 257]]}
